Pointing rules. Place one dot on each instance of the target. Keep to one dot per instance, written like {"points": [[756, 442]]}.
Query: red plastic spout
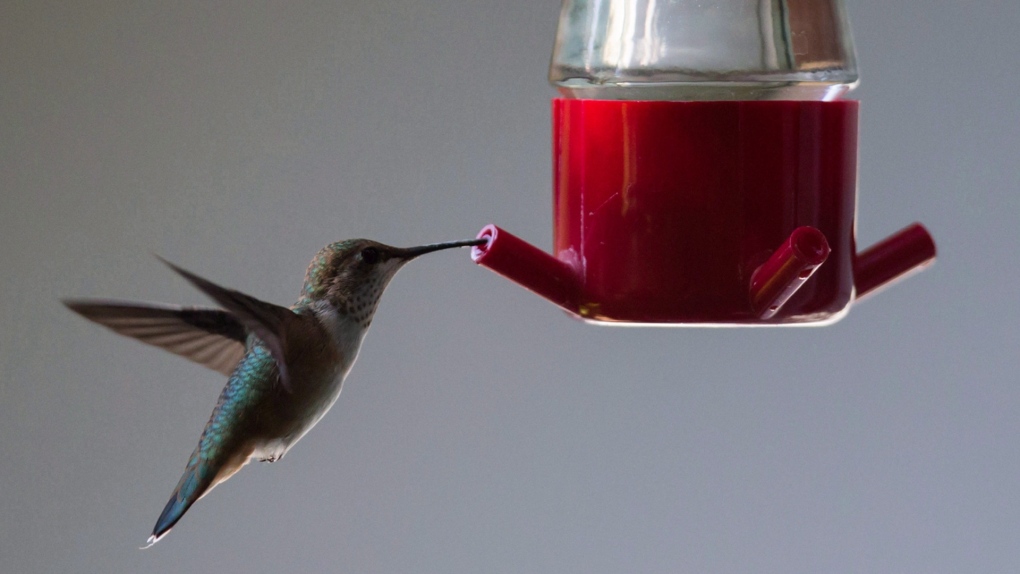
{"points": [[528, 266], [787, 270], [899, 255], [772, 285]]}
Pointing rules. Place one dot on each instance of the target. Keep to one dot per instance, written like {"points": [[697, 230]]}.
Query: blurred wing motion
{"points": [[267, 321], [210, 337]]}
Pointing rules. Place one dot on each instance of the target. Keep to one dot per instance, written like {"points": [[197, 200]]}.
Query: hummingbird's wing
{"points": [[210, 337], [267, 321]]}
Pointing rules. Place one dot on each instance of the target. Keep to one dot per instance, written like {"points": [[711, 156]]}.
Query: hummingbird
{"points": [[286, 365]]}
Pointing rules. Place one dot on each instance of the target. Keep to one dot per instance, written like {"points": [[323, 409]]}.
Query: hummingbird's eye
{"points": [[370, 255]]}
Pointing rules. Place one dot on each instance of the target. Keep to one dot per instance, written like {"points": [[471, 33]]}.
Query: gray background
{"points": [[481, 430]]}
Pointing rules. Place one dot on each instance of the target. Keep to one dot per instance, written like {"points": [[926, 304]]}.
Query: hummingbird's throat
{"points": [[359, 302]]}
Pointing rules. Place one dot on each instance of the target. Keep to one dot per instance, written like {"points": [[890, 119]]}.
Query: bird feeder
{"points": [[705, 168]]}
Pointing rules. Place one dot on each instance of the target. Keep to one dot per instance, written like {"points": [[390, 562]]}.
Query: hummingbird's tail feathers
{"points": [[196, 481], [199, 478], [267, 321], [210, 337]]}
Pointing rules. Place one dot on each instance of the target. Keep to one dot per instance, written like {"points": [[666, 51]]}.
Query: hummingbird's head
{"points": [[351, 275]]}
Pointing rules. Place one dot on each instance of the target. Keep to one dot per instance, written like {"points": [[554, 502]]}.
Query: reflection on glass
{"points": [[703, 50]]}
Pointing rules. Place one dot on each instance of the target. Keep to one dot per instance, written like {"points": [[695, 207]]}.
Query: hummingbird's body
{"points": [[286, 366]]}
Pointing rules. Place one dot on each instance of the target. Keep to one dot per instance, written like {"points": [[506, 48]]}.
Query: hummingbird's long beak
{"points": [[410, 253]]}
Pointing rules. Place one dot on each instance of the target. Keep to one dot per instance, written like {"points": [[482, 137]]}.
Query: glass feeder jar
{"points": [[705, 168]]}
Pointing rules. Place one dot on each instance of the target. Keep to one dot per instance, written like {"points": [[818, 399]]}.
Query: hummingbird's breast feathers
{"points": [[345, 334]]}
